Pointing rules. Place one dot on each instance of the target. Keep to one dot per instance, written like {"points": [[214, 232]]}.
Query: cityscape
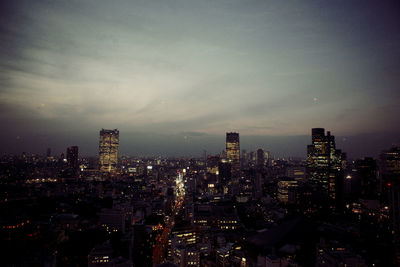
{"points": [[237, 208], [199, 133]]}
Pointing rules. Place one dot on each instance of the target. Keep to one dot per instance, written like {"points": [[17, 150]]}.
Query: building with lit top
{"points": [[233, 152], [108, 150]]}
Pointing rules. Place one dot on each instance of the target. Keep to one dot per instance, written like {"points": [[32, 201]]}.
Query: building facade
{"points": [[233, 153], [389, 172], [72, 157], [325, 163], [108, 150], [260, 164]]}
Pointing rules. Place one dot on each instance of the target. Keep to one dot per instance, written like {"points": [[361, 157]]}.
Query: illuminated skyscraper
{"points": [[108, 150], [233, 152], [324, 163]]}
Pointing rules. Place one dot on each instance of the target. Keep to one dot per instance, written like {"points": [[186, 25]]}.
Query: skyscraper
{"points": [[366, 178], [72, 157], [324, 163], [108, 150], [233, 152], [389, 161], [260, 158]]}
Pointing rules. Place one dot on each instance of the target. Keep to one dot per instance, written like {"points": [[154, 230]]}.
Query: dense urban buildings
{"points": [[156, 211], [108, 150], [220, 162]]}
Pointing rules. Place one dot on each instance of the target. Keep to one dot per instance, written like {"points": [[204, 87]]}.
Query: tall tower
{"points": [[260, 158], [108, 150], [72, 157], [390, 186], [324, 163], [233, 152]]}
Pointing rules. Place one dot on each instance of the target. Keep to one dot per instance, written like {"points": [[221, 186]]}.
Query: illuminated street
{"points": [[161, 244]]}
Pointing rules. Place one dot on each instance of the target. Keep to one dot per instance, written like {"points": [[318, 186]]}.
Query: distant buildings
{"points": [[108, 150], [233, 152], [324, 163]]}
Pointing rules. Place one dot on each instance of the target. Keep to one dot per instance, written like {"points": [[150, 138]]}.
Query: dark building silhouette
{"points": [[389, 166], [72, 157], [212, 164], [366, 178], [224, 170], [260, 158]]}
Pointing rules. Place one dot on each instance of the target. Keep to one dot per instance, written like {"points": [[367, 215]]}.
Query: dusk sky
{"points": [[174, 76]]}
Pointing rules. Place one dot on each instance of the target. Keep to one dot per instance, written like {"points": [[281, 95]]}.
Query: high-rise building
{"points": [[233, 152], [212, 164], [267, 158], [366, 178], [325, 163], [108, 150], [287, 190], [389, 172], [72, 157], [389, 165], [260, 158]]}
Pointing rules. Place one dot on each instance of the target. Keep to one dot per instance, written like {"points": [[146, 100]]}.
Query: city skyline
{"points": [[189, 144], [197, 68], [200, 133]]}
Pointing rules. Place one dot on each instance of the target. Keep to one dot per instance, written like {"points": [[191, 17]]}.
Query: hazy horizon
{"points": [[192, 144]]}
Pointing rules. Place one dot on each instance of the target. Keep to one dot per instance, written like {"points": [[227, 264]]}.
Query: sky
{"points": [[174, 76]]}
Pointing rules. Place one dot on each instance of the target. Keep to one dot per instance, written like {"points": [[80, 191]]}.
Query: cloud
{"points": [[197, 67]]}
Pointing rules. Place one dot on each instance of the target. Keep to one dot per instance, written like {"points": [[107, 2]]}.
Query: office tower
{"points": [[260, 158], [366, 178], [212, 165], [267, 158], [108, 150], [72, 157], [287, 190], [325, 163], [297, 173], [389, 161], [258, 185], [224, 172], [389, 166], [48, 152], [233, 153], [244, 161]]}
